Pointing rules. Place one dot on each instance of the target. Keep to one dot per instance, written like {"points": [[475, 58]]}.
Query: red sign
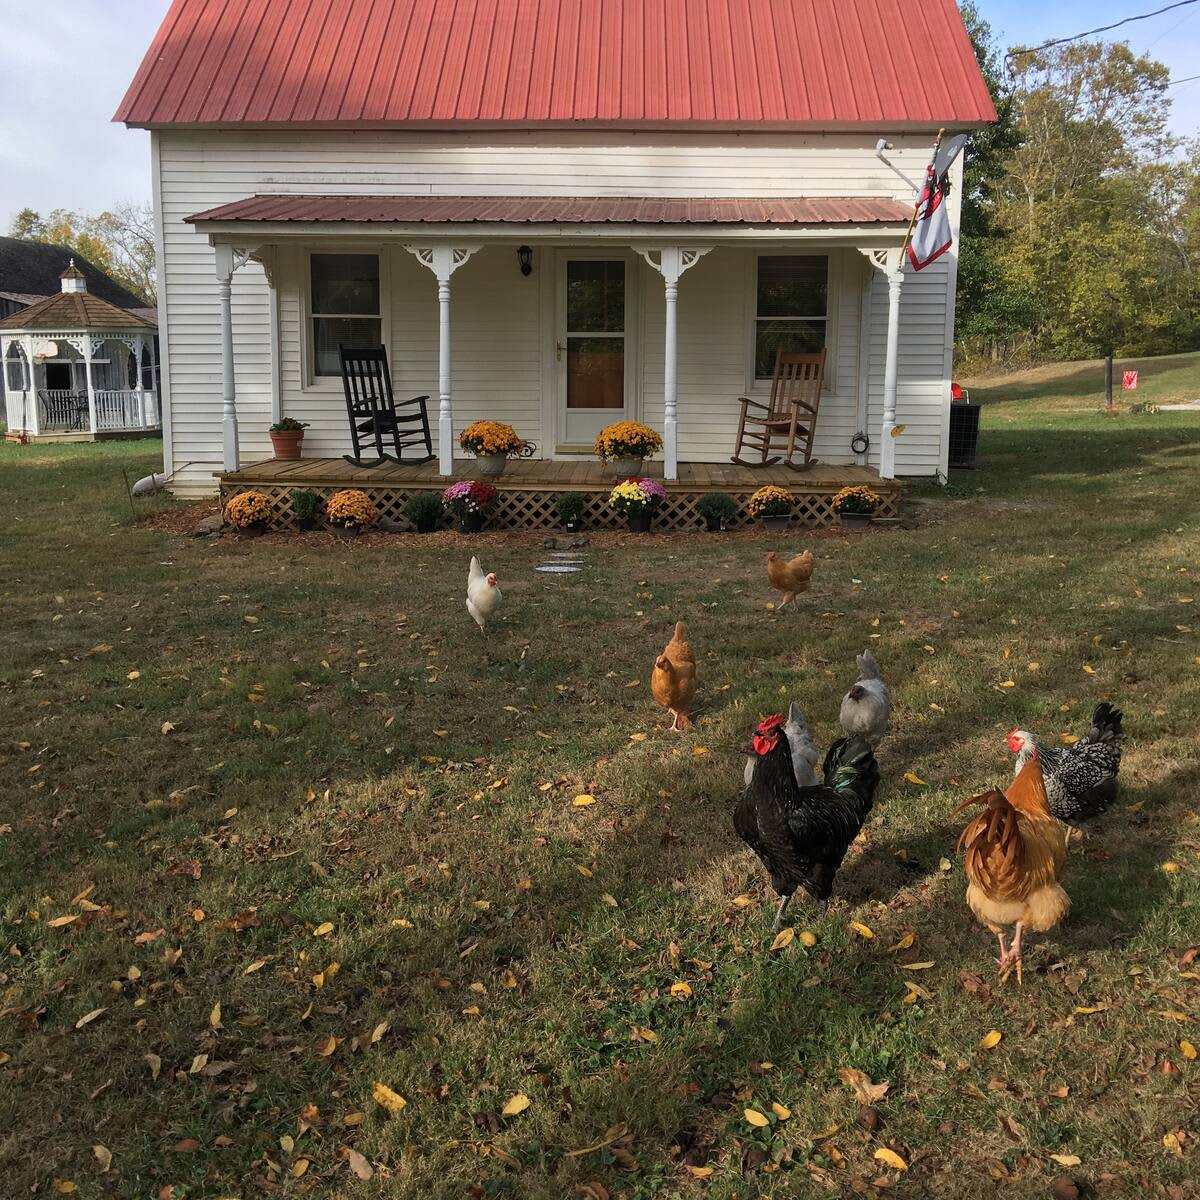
{"points": [[1129, 380]]}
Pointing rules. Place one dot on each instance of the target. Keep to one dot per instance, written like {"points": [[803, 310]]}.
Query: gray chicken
{"points": [[805, 754], [867, 706]]}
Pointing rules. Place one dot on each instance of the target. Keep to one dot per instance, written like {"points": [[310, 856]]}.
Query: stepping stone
{"points": [[556, 569]]}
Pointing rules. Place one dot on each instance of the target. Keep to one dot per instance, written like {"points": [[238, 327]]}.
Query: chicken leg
{"points": [[783, 903], [1014, 952], [1002, 961]]}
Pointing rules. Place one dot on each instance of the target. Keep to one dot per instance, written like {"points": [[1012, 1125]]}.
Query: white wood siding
{"points": [[499, 337]]}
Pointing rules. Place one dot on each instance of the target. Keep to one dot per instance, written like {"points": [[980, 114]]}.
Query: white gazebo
{"points": [[77, 366]]}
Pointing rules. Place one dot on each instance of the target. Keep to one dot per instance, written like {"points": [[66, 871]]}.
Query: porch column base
{"points": [[671, 263], [443, 261]]}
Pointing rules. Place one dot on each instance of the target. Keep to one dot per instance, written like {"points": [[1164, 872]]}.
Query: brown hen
{"points": [[791, 576], [673, 681], [1015, 852]]}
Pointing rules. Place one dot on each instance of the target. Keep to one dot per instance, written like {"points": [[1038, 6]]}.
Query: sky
{"points": [[66, 64]]}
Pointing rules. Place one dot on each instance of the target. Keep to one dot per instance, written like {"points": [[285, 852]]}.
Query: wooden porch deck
{"points": [[528, 488]]}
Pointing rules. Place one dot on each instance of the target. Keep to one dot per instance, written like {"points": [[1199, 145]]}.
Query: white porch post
{"points": [[33, 419], [230, 457], [141, 391], [443, 261], [671, 264], [887, 443], [91, 384]]}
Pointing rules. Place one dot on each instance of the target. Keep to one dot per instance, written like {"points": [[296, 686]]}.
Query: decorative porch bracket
{"points": [[443, 261], [891, 264], [671, 264], [228, 260]]}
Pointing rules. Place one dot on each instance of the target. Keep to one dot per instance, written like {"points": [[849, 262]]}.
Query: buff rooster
{"points": [[1015, 852], [673, 681], [791, 576]]}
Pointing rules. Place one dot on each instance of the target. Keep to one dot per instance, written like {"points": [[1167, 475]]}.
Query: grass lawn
{"points": [[226, 767]]}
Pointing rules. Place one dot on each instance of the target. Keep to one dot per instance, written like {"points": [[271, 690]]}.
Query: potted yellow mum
{"points": [[249, 513], [624, 445], [350, 512], [493, 443], [772, 507]]}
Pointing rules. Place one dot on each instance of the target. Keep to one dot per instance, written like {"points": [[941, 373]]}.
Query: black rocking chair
{"points": [[372, 410]]}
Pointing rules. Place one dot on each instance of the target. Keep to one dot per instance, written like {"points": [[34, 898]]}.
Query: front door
{"points": [[592, 347]]}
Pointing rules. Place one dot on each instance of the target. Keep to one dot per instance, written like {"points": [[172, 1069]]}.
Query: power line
{"points": [[1185, 79], [1100, 29]]}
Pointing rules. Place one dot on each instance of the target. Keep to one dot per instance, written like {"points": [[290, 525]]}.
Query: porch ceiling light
{"points": [[525, 258]]}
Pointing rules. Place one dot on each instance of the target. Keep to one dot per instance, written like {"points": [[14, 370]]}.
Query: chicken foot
{"points": [[1002, 961], [1012, 960]]}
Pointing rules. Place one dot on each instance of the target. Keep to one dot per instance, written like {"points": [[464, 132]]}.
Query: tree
{"points": [[120, 243]]}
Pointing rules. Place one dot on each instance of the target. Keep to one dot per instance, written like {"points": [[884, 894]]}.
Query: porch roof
{"points": [[553, 210]]}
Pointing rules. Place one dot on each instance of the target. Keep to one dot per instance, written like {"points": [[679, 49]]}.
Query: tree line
{"points": [[1081, 211]]}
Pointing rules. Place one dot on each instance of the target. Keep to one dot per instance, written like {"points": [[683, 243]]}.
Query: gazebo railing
{"points": [[120, 409], [62, 409], [66, 410]]}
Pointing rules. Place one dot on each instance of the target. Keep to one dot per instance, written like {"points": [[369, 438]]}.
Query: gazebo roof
{"points": [[69, 312]]}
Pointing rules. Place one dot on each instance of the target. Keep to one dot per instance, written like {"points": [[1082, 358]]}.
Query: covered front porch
{"points": [[560, 315], [529, 487]]}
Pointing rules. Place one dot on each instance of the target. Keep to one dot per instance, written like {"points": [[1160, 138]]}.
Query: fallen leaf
{"points": [[1187, 1050], [358, 1164], [1087, 1010], [863, 931], [681, 989], [700, 1172], [166, 727], [1171, 1014], [990, 1040], [214, 1017], [198, 1064], [186, 1146], [755, 1118], [1089, 669], [299, 1167], [583, 801], [913, 777], [1171, 868], [103, 1158], [741, 902], [154, 1063], [920, 966], [585, 872], [393, 1102], [59, 922], [256, 965], [324, 928], [1067, 1160], [906, 939], [1172, 1143], [609, 899], [88, 1018], [781, 1111], [783, 938], [326, 1046], [891, 1158], [699, 749], [865, 1092], [63, 1186], [807, 938], [515, 1105]]}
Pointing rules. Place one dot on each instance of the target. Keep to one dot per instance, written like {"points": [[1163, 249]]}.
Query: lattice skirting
{"points": [[533, 508]]}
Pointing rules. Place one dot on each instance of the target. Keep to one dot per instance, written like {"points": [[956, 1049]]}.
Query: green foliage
{"points": [[570, 505], [422, 507], [305, 504], [120, 243], [717, 506], [1080, 228], [288, 425]]}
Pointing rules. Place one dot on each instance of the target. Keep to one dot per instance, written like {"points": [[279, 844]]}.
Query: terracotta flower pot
{"points": [[287, 444], [491, 466]]}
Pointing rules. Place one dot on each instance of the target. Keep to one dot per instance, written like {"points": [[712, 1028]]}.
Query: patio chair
{"points": [[788, 421], [373, 411]]}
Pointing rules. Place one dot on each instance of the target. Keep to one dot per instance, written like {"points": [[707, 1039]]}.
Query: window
{"points": [[345, 307], [15, 373], [792, 308]]}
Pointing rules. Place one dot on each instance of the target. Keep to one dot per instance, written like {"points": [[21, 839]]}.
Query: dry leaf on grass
{"points": [[755, 1118], [1066, 1160], [865, 1092], [393, 1102], [783, 938], [990, 1040], [863, 931], [515, 1105], [103, 1158], [891, 1158], [358, 1164], [88, 1018]]}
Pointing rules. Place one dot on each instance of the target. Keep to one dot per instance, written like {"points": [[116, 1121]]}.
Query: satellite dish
{"points": [[45, 350]]}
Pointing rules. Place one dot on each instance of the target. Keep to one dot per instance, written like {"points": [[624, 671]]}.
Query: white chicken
{"points": [[867, 706], [805, 755], [483, 596]]}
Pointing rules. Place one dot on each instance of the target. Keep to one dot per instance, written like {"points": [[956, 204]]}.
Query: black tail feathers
{"points": [[1106, 723], [850, 765]]}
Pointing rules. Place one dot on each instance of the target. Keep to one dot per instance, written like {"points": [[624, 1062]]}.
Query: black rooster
{"points": [[1081, 779], [801, 834]]}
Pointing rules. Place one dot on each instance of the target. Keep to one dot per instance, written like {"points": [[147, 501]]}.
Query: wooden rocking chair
{"points": [[372, 410], [789, 421]]}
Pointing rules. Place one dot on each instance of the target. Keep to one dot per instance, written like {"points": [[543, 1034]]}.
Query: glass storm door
{"points": [[591, 347]]}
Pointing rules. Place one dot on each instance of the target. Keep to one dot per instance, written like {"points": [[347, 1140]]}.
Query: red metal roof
{"points": [[735, 63], [569, 210]]}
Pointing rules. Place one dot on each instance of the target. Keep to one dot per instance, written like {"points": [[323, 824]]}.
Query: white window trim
{"points": [[310, 381], [835, 259]]}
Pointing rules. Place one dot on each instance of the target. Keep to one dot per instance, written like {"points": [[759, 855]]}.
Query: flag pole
{"points": [[912, 221]]}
